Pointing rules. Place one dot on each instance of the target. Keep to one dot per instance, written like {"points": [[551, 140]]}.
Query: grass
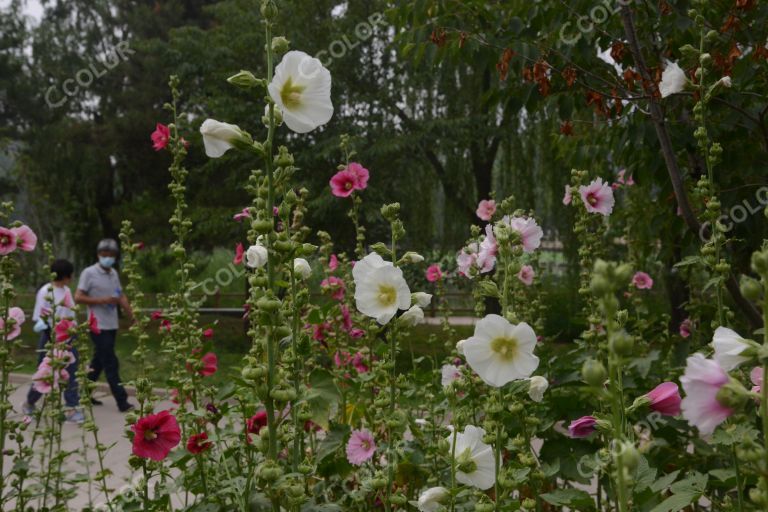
{"points": [[230, 345]]}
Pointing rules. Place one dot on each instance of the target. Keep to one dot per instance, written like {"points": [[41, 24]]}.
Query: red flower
{"points": [[154, 436], [256, 422], [63, 329], [93, 323], [157, 314], [239, 253], [208, 333], [165, 324], [160, 137], [198, 443], [210, 364]]}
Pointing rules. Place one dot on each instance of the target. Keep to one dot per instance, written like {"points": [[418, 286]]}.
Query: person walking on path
{"points": [[45, 316], [99, 288]]}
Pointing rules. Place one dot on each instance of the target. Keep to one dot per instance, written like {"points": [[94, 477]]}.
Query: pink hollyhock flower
{"points": [[157, 314], [529, 231], [356, 333], [358, 363], [335, 286], [343, 183], [93, 323], [333, 263], [208, 333], [702, 381], [360, 447], [486, 258], [665, 399], [14, 328], [41, 380], [165, 325], [597, 197], [582, 427], [160, 137], [568, 197], [154, 436], [63, 329], [434, 273], [361, 175], [486, 209], [320, 331], [621, 179], [341, 359], [466, 259], [7, 241], [756, 376], [239, 254], [255, 423], [526, 275], [26, 239], [68, 301], [244, 214], [685, 328], [642, 281], [210, 364], [198, 443], [449, 374]]}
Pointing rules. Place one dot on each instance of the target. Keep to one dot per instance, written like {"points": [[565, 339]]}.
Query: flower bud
{"points": [[621, 343], [245, 79], [593, 372], [750, 288], [280, 44]]}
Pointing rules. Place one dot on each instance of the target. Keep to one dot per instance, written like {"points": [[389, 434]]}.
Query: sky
{"points": [[32, 8]]}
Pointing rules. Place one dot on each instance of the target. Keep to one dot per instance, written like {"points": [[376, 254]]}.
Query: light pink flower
{"points": [[665, 399], [597, 197], [568, 197], [486, 209], [244, 214], [685, 327], [26, 239], [702, 381], [434, 273], [756, 376], [361, 175], [526, 275], [486, 258], [14, 329], [333, 263], [582, 427], [529, 231], [358, 363], [642, 281], [7, 241], [360, 447], [343, 183], [356, 333], [335, 285], [466, 259], [160, 137], [449, 374]]}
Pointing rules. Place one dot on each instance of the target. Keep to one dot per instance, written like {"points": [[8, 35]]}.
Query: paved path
{"points": [[111, 423]]}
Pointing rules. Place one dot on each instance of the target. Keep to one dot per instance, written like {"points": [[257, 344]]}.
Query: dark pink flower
{"points": [[160, 137], [64, 329], [343, 183], [93, 323], [239, 253], [485, 209], [434, 273], [210, 364], [154, 436], [335, 286], [685, 327], [642, 281], [582, 427], [361, 175], [208, 333], [665, 399], [157, 314], [198, 443], [7, 241], [358, 363], [333, 263], [255, 423], [244, 214]]}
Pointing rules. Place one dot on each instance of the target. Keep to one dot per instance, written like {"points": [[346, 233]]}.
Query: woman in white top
{"points": [[45, 316]]}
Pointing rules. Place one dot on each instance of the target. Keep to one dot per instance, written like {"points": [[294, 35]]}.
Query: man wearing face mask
{"points": [[99, 288]]}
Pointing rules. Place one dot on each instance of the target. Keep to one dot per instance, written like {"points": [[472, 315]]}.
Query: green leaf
{"points": [[664, 482], [322, 396], [575, 498]]}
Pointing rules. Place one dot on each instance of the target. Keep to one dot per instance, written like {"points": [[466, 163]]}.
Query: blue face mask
{"points": [[106, 261]]}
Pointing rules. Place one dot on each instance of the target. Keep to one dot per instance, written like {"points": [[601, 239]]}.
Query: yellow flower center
{"points": [[387, 295], [150, 435], [291, 94], [505, 348]]}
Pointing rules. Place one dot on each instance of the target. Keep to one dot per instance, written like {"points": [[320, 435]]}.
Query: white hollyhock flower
{"points": [[413, 316], [218, 137], [301, 88], [500, 352], [431, 500], [256, 256], [672, 80], [422, 299], [412, 257], [726, 81], [301, 268], [380, 289], [538, 385], [450, 373], [474, 459], [728, 348], [460, 347]]}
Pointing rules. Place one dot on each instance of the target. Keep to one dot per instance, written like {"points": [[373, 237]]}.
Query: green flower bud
{"points": [[280, 44], [593, 372], [621, 343], [750, 288], [245, 79]]}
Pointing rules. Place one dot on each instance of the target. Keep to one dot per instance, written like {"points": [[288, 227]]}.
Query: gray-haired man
{"points": [[99, 288]]}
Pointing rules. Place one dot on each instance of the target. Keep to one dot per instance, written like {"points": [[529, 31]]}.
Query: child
{"points": [[45, 317]]}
